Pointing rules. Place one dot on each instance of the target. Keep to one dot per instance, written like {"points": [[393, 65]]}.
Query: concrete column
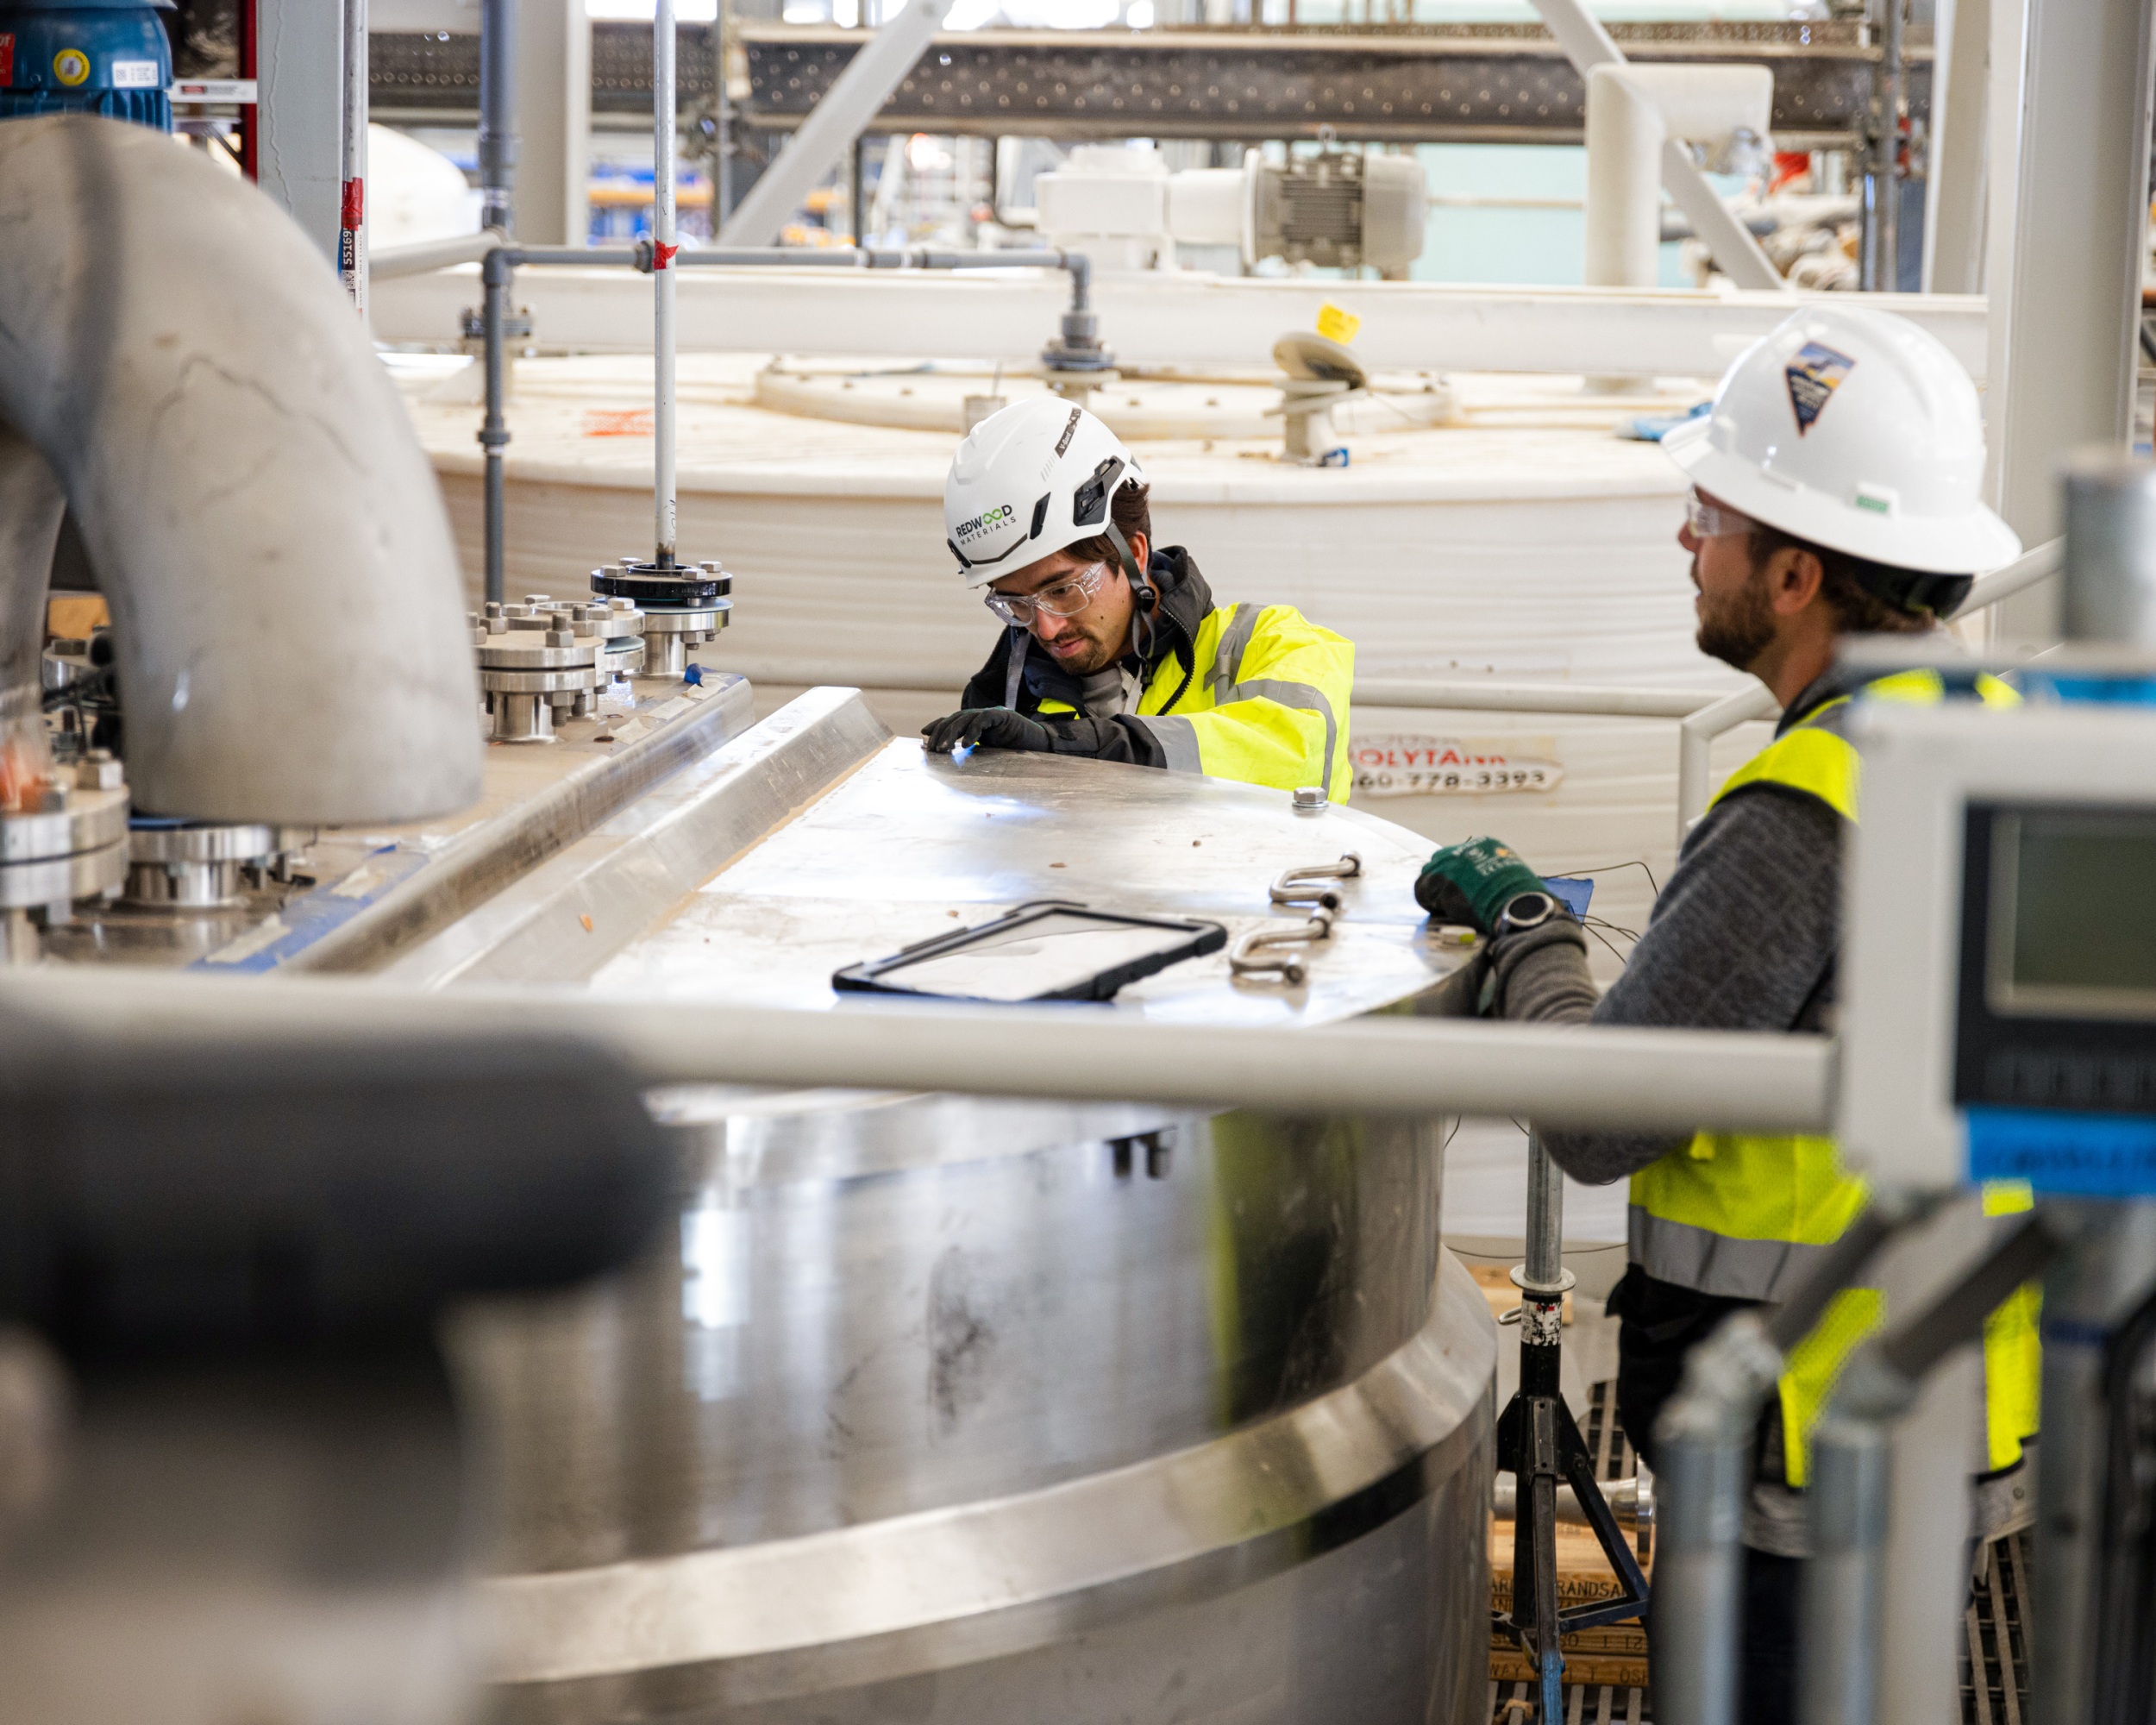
{"points": [[301, 70], [553, 116], [2070, 121]]}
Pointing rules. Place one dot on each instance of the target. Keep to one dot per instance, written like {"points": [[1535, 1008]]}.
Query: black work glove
{"points": [[987, 727]]}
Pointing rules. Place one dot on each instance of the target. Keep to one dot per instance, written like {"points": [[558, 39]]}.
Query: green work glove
{"points": [[1471, 883]]}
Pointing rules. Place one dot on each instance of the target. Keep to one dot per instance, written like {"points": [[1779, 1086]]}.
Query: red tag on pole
{"points": [[7, 57], [663, 255], [354, 203]]}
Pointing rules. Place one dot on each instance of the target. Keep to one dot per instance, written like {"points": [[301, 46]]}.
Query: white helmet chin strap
{"points": [[1143, 596]]}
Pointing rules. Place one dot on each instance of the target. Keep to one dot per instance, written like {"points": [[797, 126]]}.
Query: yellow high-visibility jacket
{"points": [[1249, 691], [1733, 1212]]}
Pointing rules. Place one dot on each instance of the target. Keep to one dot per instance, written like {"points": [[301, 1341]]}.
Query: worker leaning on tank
{"points": [[1113, 647], [1835, 494]]}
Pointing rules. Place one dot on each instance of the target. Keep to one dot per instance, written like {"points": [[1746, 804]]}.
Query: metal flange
{"points": [[75, 847], [186, 865]]}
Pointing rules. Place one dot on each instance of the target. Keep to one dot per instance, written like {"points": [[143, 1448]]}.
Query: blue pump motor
{"points": [[86, 57]]}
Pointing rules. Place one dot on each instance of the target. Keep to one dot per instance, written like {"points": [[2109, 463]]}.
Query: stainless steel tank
{"points": [[941, 1409], [949, 1410]]}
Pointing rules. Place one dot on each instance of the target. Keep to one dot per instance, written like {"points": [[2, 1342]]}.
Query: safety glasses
{"points": [[1711, 520], [1067, 598]]}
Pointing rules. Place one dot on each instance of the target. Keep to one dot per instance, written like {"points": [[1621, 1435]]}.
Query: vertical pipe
{"points": [[1545, 1217], [860, 213], [1888, 191], [494, 271], [1841, 1606], [251, 114], [352, 199], [664, 243], [722, 130], [2110, 585], [498, 115]]}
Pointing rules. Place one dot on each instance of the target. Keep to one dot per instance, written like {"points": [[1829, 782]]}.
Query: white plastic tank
{"points": [[1490, 527]]}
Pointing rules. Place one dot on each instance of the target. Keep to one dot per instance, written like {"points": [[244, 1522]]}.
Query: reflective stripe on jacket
{"points": [[1265, 700], [1744, 1216]]}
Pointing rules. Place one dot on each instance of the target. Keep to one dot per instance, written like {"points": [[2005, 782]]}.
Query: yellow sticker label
{"points": [[1336, 325], [70, 66]]}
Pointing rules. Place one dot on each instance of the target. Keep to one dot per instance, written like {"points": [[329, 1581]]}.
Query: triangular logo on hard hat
{"points": [[1815, 373]]}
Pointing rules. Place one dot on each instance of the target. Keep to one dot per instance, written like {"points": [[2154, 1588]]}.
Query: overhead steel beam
{"points": [[1456, 84], [845, 111]]}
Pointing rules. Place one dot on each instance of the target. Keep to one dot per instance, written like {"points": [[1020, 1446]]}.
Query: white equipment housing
{"points": [[1343, 210], [1999, 1016]]}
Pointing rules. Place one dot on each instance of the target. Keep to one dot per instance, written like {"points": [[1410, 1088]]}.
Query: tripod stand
{"points": [[1539, 1444]]}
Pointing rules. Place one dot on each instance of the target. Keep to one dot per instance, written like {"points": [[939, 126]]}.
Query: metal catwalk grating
{"points": [[1994, 1667]]}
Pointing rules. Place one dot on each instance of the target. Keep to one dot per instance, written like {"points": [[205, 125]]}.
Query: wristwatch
{"points": [[1524, 910]]}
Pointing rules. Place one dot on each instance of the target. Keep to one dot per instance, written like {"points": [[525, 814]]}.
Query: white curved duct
{"points": [[287, 610], [1632, 110]]}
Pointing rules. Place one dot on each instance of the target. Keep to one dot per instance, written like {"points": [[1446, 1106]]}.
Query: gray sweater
{"points": [[1743, 937]]}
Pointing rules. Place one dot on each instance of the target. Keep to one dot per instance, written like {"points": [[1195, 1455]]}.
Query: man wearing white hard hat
{"points": [[1835, 492], [1113, 648]]}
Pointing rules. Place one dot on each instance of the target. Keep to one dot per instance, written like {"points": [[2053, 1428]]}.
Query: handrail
{"points": [[1473, 695], [1560, 1076]]}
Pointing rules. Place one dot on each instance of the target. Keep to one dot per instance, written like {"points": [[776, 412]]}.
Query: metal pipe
{"points": [[430, 255], [1845, 1581], [231, 447], [498, 115], [1888, 190], [2108, 1269], [495, 272], [2041, 564], [1696, 738], [1659, 1081], [1702, 1446], [1546, 1220], [352, 191], [665, 242], [1630, 1501], [1477, 695]]}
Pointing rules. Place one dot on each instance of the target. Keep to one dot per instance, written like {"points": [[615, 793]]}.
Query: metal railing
{"points": [[1560, 1076], [1701, 718]]}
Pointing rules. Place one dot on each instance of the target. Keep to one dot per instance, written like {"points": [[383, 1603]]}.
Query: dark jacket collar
{"points": [[1186, 601]]}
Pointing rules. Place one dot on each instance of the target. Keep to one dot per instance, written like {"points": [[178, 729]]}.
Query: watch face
{"points": [[1529, 910]]}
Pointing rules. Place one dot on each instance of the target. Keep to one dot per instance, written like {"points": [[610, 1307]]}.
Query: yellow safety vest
{"points": [[1265, 701], [1743, 1215]]}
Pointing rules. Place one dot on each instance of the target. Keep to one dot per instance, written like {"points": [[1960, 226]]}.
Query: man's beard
{"points": [[1738, 630]]}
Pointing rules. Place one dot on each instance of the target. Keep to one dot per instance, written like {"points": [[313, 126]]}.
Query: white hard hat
{"points": [[1030, 481], [1857, 431]]}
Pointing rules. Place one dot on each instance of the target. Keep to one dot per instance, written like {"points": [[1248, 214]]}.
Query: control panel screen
{"points": [[2056, 998], [2073, 913]]}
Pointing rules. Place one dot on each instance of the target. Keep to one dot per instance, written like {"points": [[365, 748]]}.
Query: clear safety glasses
{"points": [[1711, 520], [1067, 598]]}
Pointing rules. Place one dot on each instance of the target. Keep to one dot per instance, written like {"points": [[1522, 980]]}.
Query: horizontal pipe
{"points": [[1474, 695], [1637, 1080], [2023, 573], [396, 261], [1628, 1500]]}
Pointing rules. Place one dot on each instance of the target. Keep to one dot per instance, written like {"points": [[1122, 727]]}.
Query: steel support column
{"points": [[2071, 114], [554, 116], [300, 45]]}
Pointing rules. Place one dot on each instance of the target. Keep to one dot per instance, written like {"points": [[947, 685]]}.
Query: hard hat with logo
{"points": [[1032, 480], [1855, 429]]}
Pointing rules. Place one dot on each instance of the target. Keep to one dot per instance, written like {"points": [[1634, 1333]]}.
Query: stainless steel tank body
{"points": [[944, 1409]]}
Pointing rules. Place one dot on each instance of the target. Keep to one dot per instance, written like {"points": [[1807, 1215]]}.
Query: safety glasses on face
{"points": [[1712, 520], [1064, 598]]}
